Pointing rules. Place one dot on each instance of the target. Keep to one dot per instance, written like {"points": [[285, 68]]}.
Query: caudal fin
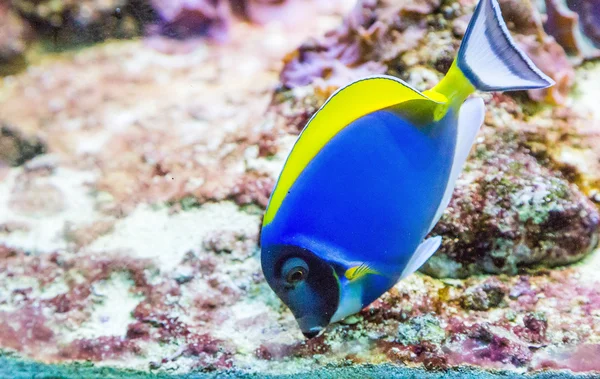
{"points": [[489, 58]]}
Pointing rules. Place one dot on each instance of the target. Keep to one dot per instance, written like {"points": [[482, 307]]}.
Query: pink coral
{"points": [[187, 18]]}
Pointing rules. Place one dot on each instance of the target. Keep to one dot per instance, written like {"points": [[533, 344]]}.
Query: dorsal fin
{"points": [[341, 109]]}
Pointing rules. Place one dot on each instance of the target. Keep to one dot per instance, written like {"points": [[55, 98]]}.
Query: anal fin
{"points": [[470, 119], [425, 250]]}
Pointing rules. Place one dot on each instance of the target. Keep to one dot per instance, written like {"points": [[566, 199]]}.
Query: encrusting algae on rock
{"points": [[189, 183]]}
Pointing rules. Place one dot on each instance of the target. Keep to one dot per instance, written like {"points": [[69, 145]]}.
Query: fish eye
{"points": [[295, 270]]}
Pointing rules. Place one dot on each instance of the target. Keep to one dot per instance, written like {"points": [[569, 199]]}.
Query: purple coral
{"points": [[372, 34], [575, 25], [182, 19], [338, 56], [589, 15], [188, 18]]}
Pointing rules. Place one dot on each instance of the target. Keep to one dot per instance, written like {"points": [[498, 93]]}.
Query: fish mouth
{"points": [[310, 326], [312, 333]]}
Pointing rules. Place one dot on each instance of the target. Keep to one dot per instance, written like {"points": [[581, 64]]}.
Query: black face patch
{"points": [[304, 282]]}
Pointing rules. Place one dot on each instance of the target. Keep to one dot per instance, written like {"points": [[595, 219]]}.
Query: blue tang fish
{"points": [[372, 173]]}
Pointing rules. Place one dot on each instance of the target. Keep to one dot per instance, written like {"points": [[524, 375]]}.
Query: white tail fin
{"points": [[489, 58]]}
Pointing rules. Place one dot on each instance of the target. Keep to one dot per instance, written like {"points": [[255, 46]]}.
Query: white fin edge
{"points": [[489, 57], [470, 119], [425, 250]]}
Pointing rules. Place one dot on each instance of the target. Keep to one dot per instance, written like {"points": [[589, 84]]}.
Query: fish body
{"points": [[371, 174]]}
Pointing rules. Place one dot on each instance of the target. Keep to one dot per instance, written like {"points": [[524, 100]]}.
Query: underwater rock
{"points": [[509, 212], [71, 22], [484, 296], [422, 328], [583, 358], [15, 35], [488, 343], [16, 149]]}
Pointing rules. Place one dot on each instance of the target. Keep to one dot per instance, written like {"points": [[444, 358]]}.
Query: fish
{"points": [[372, 172]]}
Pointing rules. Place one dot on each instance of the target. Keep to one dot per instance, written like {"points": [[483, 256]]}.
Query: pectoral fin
{"points": [[357, 272], [425, 250]]}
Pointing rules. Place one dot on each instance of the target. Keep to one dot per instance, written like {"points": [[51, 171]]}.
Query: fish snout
{"points": [[312, 332], [311, 326]]}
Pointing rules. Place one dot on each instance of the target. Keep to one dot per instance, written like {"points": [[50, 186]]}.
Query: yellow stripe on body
{"points": [[342, 108]]}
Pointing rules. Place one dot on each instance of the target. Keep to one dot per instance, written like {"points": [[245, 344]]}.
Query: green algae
{"points": [[421, 328], [538, 208]]}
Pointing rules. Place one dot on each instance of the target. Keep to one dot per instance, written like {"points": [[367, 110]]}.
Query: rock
{"points": [[15, 35], [419, 329], [16, 149], [510, 212], [488, 343], [484, 296], [70, 22], [36, 197]]}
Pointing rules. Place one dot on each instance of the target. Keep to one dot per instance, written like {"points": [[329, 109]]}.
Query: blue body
{"points": [[362, 195], [369, 195]]}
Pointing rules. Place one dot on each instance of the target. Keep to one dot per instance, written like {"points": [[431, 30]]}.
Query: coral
{"points": [[373, 34], [182, 19], [488, 343], [99, 349], [384, 37], [577, 359], [185, 18], [575, 25], [589, 13], [550, 57], [533, 329]]}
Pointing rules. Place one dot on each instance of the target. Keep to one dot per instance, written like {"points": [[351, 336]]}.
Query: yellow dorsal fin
{"points": [[357, 272], [342, 108]]}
